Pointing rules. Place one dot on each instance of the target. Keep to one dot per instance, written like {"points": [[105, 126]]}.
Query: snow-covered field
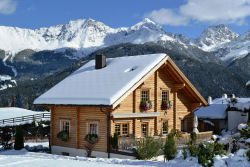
{"points": [[23, 158], [12, 112]]}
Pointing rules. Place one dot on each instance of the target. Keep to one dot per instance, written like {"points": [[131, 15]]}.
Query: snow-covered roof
{"points": [[89, 86], [213, 111], [227, 100], [12, 112]]}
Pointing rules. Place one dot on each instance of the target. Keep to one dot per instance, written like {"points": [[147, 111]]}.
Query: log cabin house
{"points": [[133, 96]]}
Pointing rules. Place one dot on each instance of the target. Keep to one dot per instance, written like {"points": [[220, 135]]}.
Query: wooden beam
{"points": [[155, 101], [52, 125], [178, 86]]}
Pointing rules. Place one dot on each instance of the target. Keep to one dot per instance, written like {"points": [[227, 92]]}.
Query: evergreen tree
{"points": [[19, 143]]}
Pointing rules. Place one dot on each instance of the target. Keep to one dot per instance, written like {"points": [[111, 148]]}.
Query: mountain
{"points": [[217, 58], [211, 79], [88, 35], [214, 36]]}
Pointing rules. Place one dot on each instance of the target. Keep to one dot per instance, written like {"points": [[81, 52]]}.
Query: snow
{"points": [[242, 126], [213, 111], [227, 100], [88, 86], [248, 83], [12, 112], [85, 35]]}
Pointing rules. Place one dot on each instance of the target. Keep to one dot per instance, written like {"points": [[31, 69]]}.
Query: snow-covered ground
{"points": [[24, 158]]}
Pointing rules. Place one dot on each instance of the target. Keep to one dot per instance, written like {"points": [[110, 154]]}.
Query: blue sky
{"points": [[188, 17]]}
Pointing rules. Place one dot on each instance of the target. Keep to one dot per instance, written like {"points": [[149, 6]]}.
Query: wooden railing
{"points": [[25, 118]]}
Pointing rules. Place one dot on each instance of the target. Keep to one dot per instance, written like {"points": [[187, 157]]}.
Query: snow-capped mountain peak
{"points": [[214, 36]]}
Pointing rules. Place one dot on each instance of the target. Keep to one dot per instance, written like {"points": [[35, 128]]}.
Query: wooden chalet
{"points": [[134, 96]]}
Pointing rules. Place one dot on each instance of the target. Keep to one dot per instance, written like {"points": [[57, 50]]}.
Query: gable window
{"points": [[93, 128], [165, 128], [65, 125], [144, 95], [164, 95], [144, 129]]}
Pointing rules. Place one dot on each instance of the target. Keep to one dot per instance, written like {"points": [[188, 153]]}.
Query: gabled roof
{"points": [[109, 85]]}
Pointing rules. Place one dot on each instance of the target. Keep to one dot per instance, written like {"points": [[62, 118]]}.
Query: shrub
{"points": [[63, 135], [205, 155], [192, 150], [218, 148], [114, 141], [248, 155], [245, 132], [19, 143], [193, 137], [184, 153], [147, 148], [91, 140], [5, 136], [169, 148]]}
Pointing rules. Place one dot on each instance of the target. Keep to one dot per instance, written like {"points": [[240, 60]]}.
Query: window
{"points": [[118, 129], [165, 128], [144, 128], [182, 125], [144, 95], [164, 95], [65, 125], [92, 128], [124, 129]]}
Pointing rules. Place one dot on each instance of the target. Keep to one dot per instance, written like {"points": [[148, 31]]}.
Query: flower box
{"points": [[166, 105], [146, 105]]}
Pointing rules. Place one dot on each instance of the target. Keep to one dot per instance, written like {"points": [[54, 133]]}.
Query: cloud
{"points": [[167, 16], [7, 6], [208, 11]]}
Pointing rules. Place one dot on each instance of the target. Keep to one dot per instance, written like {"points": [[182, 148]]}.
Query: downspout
{"points": [[108, 130]]}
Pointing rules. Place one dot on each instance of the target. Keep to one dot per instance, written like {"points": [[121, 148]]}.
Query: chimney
{"points": [[100, 61], [224, 96], [233, 96], [209, 100]]}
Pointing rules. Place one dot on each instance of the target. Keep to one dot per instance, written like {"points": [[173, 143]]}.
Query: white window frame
{"points": [[145, 96], [92, 122], [62, 124]]}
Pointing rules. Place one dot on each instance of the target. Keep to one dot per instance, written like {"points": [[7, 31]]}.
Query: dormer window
{"points": [[144, 95]]}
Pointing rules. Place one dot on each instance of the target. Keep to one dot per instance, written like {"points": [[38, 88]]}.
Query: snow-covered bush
{"points": [[245, 132], [248, 155], [147, 148], [5, 137]]}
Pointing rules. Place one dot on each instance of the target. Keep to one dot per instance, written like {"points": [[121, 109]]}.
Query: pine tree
{"points": [[19, 143]]}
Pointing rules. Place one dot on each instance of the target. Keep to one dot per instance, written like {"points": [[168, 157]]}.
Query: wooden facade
{"points": [[165, 78]]}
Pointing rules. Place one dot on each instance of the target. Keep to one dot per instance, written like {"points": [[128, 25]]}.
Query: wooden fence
{"points": [[25, 118]]}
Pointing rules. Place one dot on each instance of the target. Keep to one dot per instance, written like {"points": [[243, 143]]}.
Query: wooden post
{"points": [[52, 124], [155, 102], [175, 109], [78, 127]]}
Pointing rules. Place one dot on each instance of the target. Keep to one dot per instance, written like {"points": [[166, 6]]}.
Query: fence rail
{"points": [[25, 118]]}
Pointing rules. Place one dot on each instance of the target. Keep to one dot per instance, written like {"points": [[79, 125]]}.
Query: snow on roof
{"points": [[227, 100], [12, 112], [88, 86], [213, 111]]}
